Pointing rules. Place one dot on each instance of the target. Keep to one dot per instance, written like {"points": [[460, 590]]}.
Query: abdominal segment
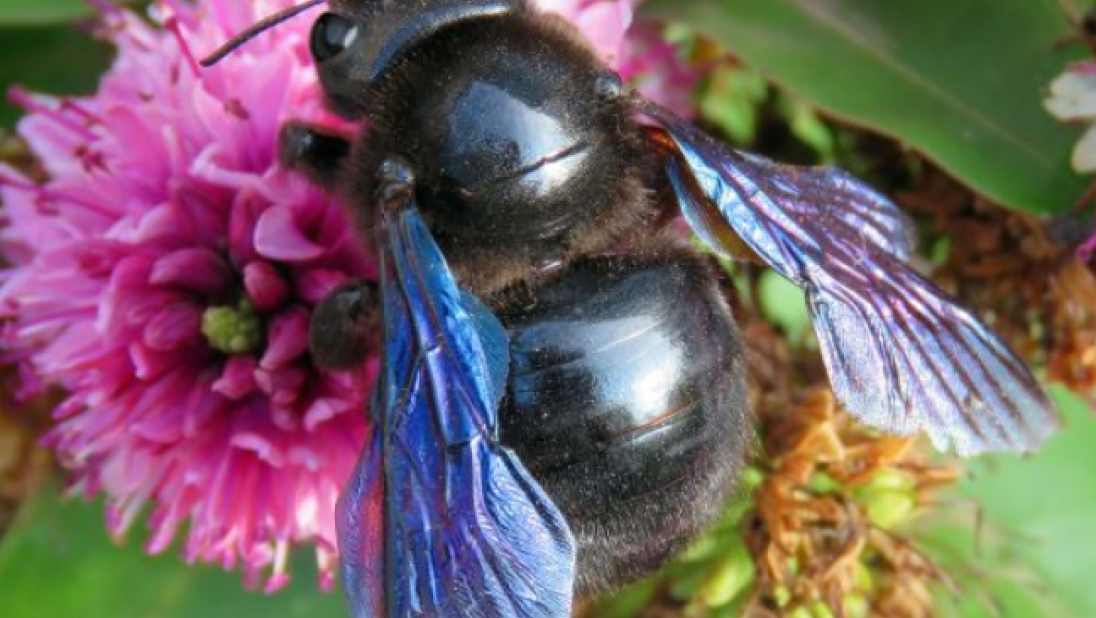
{"points": [[627, 402]]}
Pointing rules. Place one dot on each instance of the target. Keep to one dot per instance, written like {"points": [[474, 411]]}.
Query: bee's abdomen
{"points": [[627, 402]]}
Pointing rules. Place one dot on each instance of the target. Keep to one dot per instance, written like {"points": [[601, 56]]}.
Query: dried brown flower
{"points": [[826, 528]]}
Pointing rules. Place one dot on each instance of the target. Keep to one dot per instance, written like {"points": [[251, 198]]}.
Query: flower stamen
{"points": [[49, 195], [33, 104], [70, 105], [171, 24]]}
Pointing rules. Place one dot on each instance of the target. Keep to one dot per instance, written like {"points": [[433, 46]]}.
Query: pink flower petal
{"points": [[160, 540], [287, 339], [282, 385], [266, 288], [277, 237], [276, 583], [174, 326], [241, 229], [261, 445], [149, 364], [203, 407], [313, 285], [195, 268], [159, 223], [238, 378], [131, 270], [139, 306], [160, 428], [322, 410]]}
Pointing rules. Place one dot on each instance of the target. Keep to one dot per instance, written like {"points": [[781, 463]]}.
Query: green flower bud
{"points": [[233, 330]]}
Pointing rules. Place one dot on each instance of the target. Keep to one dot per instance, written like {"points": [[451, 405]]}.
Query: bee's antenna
{"points": [[257, 29]]}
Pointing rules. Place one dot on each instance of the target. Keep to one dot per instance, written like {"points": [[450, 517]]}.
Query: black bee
{"points": [[606, 416]]}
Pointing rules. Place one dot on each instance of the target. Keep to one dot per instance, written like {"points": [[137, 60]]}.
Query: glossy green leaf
{"points": [[1046, 504], [959, 80], [1028, 551], [57, 562], [39, 12], [58, 60]]}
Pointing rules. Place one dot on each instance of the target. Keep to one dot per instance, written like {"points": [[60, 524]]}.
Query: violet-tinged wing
{"points": [[359, 521], [901, 354], [467, 532]]}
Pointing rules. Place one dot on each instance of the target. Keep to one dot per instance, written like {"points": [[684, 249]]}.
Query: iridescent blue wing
{"points": [[901, 354], [440, 521]]}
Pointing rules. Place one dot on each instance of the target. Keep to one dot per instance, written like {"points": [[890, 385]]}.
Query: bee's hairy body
{"points": [[626, 397]]}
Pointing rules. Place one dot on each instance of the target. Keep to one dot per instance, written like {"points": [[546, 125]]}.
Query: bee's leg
{"points": [[316, 152], [344, 326]]}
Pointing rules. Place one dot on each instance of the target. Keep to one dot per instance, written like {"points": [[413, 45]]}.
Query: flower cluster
{"points": [[165, 269], [164, 277]]}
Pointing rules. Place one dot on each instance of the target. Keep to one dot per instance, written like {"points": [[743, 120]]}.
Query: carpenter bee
{"points": [[561, 404]]}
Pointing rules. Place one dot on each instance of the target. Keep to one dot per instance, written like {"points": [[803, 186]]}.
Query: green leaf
{"points": [[1048, 502], [57, 60], [40, 12], [1033, 550], [785, 305], [959, 80], [57, 562], [730, 99]]}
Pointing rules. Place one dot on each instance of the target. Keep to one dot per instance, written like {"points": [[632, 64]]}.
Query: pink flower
{"points": [[165, 272], [634, 47], [656, 67], [164, 277], [603, 22]]}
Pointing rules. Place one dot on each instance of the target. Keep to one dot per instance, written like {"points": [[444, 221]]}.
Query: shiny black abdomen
{"points": [[627, 402]]}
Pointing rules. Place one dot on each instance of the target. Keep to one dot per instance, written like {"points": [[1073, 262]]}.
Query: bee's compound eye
{"points": [[608, 85], [331, 34]]}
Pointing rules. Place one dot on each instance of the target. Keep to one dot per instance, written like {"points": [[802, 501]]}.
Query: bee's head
{"points": [[356, 41]]}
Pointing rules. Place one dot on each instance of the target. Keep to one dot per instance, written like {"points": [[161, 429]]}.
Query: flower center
{"points": [[233, 330]]}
